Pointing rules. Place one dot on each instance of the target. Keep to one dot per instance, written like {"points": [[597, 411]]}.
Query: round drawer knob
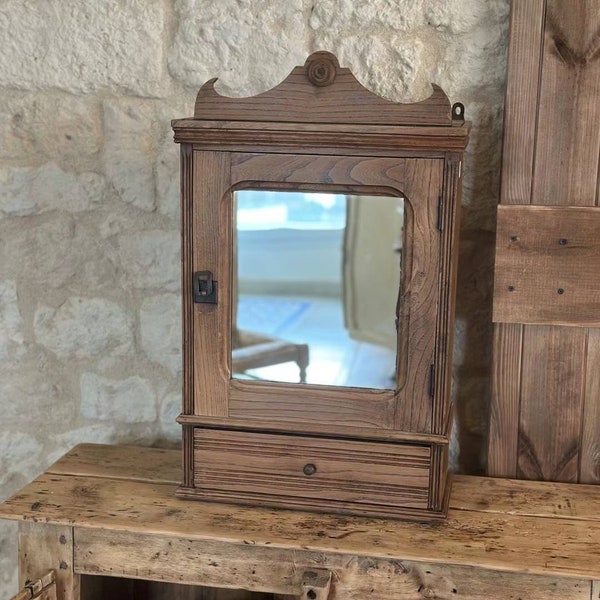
{"points": [[309, 469]]}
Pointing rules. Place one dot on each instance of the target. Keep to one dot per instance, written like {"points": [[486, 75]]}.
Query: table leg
{"points": [[46, 547]]}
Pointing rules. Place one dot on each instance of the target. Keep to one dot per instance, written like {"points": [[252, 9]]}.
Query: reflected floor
{"points": [[335, 358]]}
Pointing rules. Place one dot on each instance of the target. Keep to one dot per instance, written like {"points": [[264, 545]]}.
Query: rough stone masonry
{"points": [[89, 231]]}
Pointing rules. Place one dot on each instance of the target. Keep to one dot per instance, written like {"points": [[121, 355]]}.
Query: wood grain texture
{"points": [[525, 52], [44, 548], [334, 97], [547, 265], [288, 138], [568, 143], [280, 571], [478, 494], [231, 463], [40, 589], [546, 546], [210, 252], [505, 406], [316, 429], [589, 467], [450, 232], [550, 160], [521, 102], [550, 419]]}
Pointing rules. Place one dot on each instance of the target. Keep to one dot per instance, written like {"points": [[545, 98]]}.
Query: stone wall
{"points": [[89, 227]]}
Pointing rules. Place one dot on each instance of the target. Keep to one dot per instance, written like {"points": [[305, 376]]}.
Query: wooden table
{"points": [[111, 511]]}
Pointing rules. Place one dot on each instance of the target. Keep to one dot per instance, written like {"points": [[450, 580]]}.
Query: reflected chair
{"points": [[253, 350]]}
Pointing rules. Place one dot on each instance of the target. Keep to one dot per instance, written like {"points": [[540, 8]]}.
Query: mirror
{"points": [[316, 281]]}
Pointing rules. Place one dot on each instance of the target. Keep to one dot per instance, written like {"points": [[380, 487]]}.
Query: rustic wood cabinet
{"points": [[319, 442]]}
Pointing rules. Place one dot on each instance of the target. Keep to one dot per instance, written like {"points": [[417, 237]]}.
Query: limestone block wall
{"points": [[89, 225]]}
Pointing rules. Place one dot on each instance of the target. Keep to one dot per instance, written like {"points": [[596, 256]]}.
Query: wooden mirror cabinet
{"points": [[320, 227]]}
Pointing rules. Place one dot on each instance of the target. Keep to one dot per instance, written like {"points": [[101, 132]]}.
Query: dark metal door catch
{"points": [[204, 288]]}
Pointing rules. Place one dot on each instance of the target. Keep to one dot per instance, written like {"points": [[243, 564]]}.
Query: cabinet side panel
{"points": [[211, 252]]}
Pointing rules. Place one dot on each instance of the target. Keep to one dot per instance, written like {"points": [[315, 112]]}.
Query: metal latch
{"points": [[204, 288]]}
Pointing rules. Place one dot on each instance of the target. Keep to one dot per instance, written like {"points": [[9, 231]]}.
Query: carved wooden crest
{"points": [[321, 91]]}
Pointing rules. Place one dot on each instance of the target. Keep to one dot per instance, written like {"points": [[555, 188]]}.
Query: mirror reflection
{"points": [[316, 279]]}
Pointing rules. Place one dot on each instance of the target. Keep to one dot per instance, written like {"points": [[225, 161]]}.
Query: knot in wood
{"points": [[321, 72]]}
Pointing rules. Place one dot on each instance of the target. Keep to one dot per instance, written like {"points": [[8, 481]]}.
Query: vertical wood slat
{"points": [[520, 117], [567, 149], [48, 547], [505, 403], [521, 104], [211, 352], [550, 420], [589, 468]]}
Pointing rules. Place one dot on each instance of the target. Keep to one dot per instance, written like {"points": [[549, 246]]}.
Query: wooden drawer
{"points": [[307, 472]]}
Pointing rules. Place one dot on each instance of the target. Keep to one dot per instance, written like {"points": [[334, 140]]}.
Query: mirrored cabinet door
{"points": [[329, 284]]}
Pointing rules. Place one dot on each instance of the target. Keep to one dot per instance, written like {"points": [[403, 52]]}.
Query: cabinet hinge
{"points": [[432, 380], [440, 211]]}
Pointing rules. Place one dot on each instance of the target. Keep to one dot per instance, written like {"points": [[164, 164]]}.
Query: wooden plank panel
{"points": [[478, 494], [520, 129], [521, 103], [531, 498], [48, 547], [136, 463], [212, 351], [589, 468], [547, 265], [568, 146], [565, 148], [556, 547], [550, 424], [279, 570], [506, 400]]}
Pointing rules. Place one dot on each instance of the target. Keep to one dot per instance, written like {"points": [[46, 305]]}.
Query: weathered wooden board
{"points": [[550, 420], [265, 569], [40, 589], [210, 390], [43, 548], [548, 265], [589, 463], [557, 547], [550, 157], [477, 494]]}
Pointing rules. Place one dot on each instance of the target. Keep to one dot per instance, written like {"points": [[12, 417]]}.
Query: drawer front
{"points": [[306, 470]]}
